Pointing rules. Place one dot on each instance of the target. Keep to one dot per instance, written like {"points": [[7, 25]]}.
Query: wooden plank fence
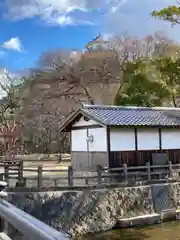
{"points": [[99, 176]]}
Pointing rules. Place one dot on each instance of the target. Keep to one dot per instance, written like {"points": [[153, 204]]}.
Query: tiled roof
{"points": [[133, 116]]}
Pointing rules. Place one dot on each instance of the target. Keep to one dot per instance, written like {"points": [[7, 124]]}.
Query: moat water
{"points": [[164, 231]]}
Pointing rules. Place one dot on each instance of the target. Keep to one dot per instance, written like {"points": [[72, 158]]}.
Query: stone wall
{"points": [[81, 212], [174, 194], [89, 160]]}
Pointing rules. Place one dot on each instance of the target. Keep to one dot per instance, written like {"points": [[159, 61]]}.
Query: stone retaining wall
{"points": [[81, 212], [174, 195]]}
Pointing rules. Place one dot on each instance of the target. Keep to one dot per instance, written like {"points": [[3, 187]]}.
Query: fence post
{"points": [[1, 177], [70, 176], [170, 169], [149, 170], [86, 181], [6, 174], [125, 173], [40, 176], [20, 171], [99, 174], [55, 183]]}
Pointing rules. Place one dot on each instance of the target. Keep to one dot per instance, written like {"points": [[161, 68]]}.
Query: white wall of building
{"points": [[122, 139], [148, 139], [78, 140], [99, 143], [79, 137], [170, 139]]}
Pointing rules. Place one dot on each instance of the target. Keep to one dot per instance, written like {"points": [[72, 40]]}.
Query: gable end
{"points": [[75, 118]]}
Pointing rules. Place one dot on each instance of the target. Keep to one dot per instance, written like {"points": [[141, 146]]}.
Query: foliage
{"points": [[171, 14], [142, 85], [169, 69]]}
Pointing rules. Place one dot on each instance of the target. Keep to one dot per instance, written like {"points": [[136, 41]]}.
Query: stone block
{"points": [[89, 160], [168, 215], [148, 219]]}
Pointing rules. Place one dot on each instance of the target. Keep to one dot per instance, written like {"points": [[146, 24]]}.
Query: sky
{"points": [[31, 27]]}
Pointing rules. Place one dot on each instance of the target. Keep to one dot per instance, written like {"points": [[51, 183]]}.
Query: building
{"points": [[99, 48], [101, 64], [111, 135]]}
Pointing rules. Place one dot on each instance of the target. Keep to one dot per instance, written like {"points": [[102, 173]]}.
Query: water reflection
{"points": [[165, 231]]}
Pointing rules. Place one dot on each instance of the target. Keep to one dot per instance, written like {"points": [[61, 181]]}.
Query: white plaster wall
{"points": [[78, 140], [82, 122], [99, 143], [148, 139], [122, 139], [170, 138]]}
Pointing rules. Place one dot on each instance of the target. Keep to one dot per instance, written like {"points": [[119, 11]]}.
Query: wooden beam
{"points": [[86, 127]]}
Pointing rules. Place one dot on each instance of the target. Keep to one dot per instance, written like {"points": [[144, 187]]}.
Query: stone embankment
{"points": [[81, 212]]}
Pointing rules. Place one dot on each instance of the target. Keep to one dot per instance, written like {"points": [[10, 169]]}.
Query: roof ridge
{"points": [[128, 107]]}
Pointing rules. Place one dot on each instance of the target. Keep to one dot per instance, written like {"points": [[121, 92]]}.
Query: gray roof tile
{"points": [[132, 116]]}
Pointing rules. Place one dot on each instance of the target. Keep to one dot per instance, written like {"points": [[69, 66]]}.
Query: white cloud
{"points": [[61, 20], [52, 11], [133, 16], [61, 12], [117, 5], [13, 44]]}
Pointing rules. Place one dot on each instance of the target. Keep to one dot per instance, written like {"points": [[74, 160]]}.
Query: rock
{"points": [[81, 212]]}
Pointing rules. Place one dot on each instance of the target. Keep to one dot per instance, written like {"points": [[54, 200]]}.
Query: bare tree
{"points": [[10, 108]]}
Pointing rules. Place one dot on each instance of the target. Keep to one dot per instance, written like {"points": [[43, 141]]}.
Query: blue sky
{"points": [[30, 27]]}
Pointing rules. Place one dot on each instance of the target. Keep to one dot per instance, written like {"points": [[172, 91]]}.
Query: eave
{"points": [[68, 123]]}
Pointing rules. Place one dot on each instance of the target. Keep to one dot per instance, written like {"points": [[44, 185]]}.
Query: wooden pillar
{"points": [[89, 158], [87, 135], [160, 138], [136, 146], [108, 145]]}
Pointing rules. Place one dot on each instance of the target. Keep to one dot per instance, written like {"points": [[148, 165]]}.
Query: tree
{"points": [[10, 113], [75, 78], [142, 85], [93, 77], [130, 49], [42, 116], [169, 69], [170, 14]]}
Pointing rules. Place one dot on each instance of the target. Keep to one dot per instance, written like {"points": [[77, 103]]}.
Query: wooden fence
{"points": [[11, 170], [40, 177]]}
